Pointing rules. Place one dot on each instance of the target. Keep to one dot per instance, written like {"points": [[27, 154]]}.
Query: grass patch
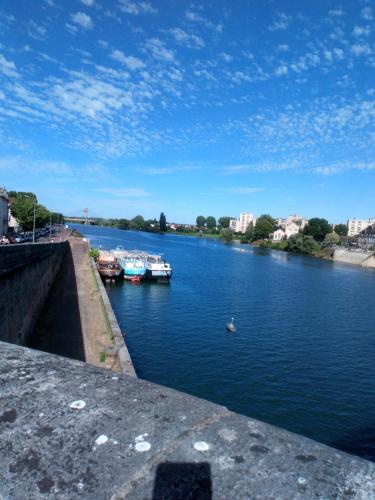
{"points": [[102, 357]]}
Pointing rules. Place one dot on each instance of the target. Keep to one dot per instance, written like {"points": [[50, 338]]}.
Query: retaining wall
{"points": [[355, 258], [26, 276]]}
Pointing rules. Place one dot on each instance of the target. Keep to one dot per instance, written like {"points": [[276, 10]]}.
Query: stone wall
{"points": [[26, 275], [354, 257]]}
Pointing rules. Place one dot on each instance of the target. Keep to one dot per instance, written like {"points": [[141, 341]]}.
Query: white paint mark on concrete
{"points": [[102, 439], [141, 437], [143, 446], [201, 446], [228, 434], [78, 405], [114, 378]]}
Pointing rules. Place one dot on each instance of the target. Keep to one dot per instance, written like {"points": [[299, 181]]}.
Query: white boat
{"points": [[157, 268]]}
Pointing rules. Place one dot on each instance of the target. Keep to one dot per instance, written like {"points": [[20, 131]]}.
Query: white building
{"points": [[288, 231], [240, 225], [13, 224], [356, 226], [4, 207], [293, 219], [278, 235]]}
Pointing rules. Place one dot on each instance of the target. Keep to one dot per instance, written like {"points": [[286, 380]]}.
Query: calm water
{"points": [[303, 354]]}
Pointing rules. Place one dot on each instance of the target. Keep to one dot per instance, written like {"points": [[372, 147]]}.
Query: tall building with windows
{"points": [[4, 208], [356, 226], [240, 225]]}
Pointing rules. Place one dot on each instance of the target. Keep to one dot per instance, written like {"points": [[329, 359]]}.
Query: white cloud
{"points": [[8, 68], [367, 14], [281, 70], [226, 57], [187, 39], [82, 20], [88, 3], [131, 62], [283, 47], [336, 12], [360, 49], [36, 31], [159, 50], [126, 192], [169, 170], [361, 30], [240, 190], [281, 23], [136, 8], [338, 168]]}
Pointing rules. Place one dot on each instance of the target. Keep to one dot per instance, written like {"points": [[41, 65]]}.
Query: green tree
{"points": [[300, 243], [248, 237], [57, 218], [22, 209], [332, 238], [265, 225], [341, 229], [224, 221], [163, 222], [211, 222], [137, 222], [317, 228], [226, 234], [201, 221], [123, 223]]}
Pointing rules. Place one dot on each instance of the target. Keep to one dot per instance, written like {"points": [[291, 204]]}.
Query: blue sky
{"points": [[212, 108]]}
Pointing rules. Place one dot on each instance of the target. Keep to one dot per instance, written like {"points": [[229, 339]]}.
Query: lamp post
{"points": [[34, 225]]}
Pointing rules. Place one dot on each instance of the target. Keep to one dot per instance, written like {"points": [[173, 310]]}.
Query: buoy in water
{"points": [[231, 326]]}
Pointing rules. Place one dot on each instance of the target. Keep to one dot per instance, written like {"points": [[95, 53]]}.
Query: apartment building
{"points": [[240, 225], [356, 226]]}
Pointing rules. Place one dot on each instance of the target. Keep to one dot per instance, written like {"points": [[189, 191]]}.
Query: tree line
{"points": [[22, 207]]}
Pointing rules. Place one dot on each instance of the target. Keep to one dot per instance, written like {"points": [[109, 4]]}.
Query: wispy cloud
{"points": [[8, 68], [169, 170], [240, 190], [367, 13], [187, 39], [83, 20], [281, 22], [125, 192], [136, 8], [159, 50], [131, 62]]}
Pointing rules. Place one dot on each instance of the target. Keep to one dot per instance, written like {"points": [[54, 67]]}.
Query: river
{"points": [[303, 355]]}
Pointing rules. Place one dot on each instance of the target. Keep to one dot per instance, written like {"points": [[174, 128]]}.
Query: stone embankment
{"points": [[72, 430], [52, 298], [363, 259]]}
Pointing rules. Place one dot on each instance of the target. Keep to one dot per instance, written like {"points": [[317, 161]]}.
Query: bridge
{"points": [[80, 219]]}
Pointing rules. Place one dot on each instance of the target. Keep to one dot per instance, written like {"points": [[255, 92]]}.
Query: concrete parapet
{"points": [[26, 276], [71, 430]]}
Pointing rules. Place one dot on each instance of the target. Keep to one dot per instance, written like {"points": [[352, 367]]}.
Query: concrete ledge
{"points": [[123, 355], [71, 430]]}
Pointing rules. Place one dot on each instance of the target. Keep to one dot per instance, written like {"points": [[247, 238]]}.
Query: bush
{"points": [[94, 253]]}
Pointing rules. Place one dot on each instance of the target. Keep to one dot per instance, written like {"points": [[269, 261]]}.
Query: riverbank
{"points": [[338, 254]]}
